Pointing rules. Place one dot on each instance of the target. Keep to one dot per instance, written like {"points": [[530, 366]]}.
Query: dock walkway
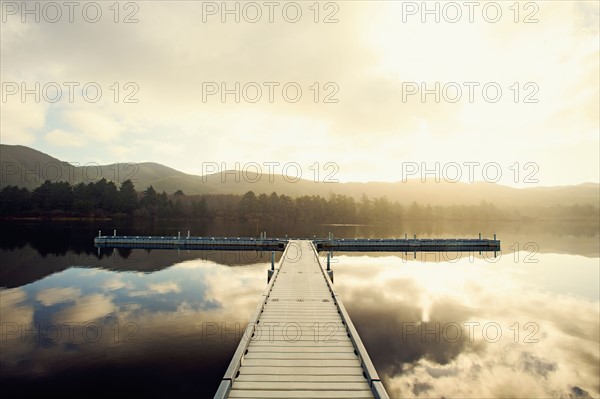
{"points": [[300, 342]]}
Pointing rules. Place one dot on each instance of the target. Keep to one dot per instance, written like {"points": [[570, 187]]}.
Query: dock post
{"points": [[271, 271], [99, 233], [494, 236], [405, 236], [114, 232], [480, 236], [329, 271], [188, 234], [179, 235]]}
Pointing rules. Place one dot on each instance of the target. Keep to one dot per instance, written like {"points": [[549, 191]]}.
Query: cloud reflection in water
{"points": [[438, 329]]}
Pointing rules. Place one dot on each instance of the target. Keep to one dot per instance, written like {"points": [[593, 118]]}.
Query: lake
{"points": [[164, 322]]}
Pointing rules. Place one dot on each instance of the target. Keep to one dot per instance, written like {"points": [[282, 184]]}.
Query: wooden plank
{"points": [[300, 363], [304, 322], [301, 308], [334, 321], [300, 346], [302, 349], [275, 320], [293, 337], [302, 386], [303, 340], [299, 301], [301, 355], [300, 378], [287, 293], [302, 312], [289, 346], [270, 370], [298, 297], [334, 316], [300, 394], [306, 315], [295, 305], [305, 306], [272, 320], [291, 329]]}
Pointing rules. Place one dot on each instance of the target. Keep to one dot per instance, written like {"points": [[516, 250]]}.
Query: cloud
{"points": [[61, 138], [52, 296], [115, 284], [94, 125], [120, 152], [368, 54], [12, 308], [85, 309], [488, 332], [20, 121], [165, 287]]}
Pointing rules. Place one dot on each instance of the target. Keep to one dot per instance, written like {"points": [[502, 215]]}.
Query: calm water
{"points": [[159, 323]]}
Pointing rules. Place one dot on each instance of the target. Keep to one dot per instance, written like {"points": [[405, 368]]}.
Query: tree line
{"points": [[99, 199], [105, 199]]}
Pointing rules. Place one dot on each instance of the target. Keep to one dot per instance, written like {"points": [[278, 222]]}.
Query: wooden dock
{"points": [[201, 243], [279, 244], [408, 244], [300, 341]]}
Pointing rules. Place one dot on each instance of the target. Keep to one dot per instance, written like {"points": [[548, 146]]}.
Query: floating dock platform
{"points": [[201, 243], [407, 245], [279, 244]]}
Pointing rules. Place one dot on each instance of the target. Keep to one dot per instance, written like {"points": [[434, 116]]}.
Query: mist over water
{"points": [[522, 324]]}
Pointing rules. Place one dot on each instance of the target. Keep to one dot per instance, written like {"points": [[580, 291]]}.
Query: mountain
{"points": [[27, 167]]}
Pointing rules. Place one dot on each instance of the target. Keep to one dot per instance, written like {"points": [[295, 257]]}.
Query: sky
{"points": [[346, 90]]}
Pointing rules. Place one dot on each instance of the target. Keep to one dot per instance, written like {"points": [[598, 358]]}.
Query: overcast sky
{"points": [[370, 120]]}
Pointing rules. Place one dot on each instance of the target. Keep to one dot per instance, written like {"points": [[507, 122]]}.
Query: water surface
{"points": [[163, 322]]}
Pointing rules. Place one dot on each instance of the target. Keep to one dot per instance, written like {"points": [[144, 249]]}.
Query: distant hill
{"points": [[27, 167]]}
